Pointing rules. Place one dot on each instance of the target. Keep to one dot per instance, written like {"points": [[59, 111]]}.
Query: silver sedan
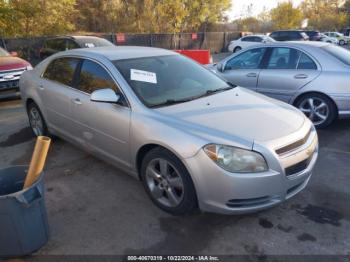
{"points": [[313, 76], [193, 139]]}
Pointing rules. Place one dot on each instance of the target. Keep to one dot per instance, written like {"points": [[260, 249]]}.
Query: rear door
{"points": [[243, 69], [56, 91], [285, 72], [104, 127]]}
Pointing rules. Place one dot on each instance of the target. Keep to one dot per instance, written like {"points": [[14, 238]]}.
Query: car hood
{"points": [[238, 113], [10, 63]]}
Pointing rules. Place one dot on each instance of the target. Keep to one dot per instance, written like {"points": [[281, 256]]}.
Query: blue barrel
{"points": [[23, 219]]}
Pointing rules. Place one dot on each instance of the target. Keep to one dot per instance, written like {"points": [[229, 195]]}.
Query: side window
{"points": [[283, 58], [57, 44], [250, 59], [258, 39], [94, 77], [274, 35], [62, 70], [247, 39], [305, 62], [72, 45]]}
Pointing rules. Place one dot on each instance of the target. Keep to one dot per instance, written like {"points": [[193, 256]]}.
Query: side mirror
{"points": [[13, 53], [106, 95], [220, 67]]}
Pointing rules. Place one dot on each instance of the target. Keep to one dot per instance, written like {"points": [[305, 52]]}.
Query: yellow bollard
{"points": [[38, 160]]}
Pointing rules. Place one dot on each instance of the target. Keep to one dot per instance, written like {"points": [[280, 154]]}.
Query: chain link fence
{"points": [[216, 42]]}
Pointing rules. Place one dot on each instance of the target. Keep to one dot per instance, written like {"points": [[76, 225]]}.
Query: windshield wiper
{"points": [[172, 102]]}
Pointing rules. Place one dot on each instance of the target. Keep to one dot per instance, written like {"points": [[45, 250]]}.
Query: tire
{"points": [[341, 42], [237, 49], [321, 106], [171, 190], [36, 120]]}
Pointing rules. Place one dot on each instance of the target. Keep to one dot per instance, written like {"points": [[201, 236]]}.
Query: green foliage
{"points": [[52, 17], [326, 14], [285, 16]]}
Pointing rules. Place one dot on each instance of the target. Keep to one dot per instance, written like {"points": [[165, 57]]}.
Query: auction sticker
{"points": [[143, 76]]}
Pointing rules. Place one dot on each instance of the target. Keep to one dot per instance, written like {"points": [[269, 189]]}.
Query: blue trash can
{"points": [[23, 219]]}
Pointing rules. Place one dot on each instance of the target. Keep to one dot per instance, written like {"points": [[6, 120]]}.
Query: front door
{"points": [[103, 126], [243, 69]]}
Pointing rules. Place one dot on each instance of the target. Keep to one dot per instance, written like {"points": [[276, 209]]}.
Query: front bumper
{"points": [[10, 90], [223, 192]]}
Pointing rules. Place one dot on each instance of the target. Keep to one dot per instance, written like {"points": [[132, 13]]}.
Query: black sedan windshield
{"points": [[165, 80]]}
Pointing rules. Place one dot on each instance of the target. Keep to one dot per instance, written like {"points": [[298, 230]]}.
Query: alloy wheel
{"points": [[36, 121], [316, 109], [164, 182]]}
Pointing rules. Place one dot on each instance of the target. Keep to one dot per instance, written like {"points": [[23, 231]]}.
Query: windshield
{"points": [[269, 39], [3, 52], [165, 80], [340, 53]]}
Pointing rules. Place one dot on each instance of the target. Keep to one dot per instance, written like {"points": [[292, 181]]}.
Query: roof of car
{"points": [[121, 52], [301, 43]]}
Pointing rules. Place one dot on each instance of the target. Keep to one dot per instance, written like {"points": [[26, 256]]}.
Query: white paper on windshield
{"points": [[143, 76], [89, 45]]}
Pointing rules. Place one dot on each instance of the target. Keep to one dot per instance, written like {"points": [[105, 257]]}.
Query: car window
{"points": [[62, 70], [250, 59], [72, 45], [258, 39], [56, 44], [94, 77], [283, 58], [305, 62], [248, 39], [274, 34]]}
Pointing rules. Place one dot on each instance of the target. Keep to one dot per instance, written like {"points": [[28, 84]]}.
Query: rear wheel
{"points": [[237, 49], [318, 108], [167, 182], [36, 120]]}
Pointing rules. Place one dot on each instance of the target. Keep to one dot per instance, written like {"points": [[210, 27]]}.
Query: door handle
{"points": [[251, 75], [77, 101], [301, 76], [41, 87]]}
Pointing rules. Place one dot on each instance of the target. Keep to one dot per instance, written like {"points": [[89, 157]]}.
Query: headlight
{"points": [[29, 67], [236, 160]]}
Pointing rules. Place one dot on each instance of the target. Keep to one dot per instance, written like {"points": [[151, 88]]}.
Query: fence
{"points": [[28, 48]]}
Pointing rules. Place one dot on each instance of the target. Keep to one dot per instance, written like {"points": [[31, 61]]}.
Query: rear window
{"points": [[340, 53]]}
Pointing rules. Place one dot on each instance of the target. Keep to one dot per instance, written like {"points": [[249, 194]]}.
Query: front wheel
{"points": [[237, 49], [168, 183], [341, 42], [318, 108]]}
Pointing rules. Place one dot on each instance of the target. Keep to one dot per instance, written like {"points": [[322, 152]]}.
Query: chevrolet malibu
{"points": [[194, 140]]}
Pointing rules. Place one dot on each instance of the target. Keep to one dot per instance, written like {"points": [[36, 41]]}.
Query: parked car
{"points": [[11, 68], [313, 76], [189, 136], [342, 40], [289, 35], [63, 43], [313, 35], [328, 39], [247, 41]]}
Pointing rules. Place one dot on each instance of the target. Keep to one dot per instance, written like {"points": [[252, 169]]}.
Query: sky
{"points": [[240, 7]]}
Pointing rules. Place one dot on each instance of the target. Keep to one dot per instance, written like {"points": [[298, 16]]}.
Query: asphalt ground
{"points": [[94, 208]]}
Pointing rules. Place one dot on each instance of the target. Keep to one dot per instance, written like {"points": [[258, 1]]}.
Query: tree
{"points": [[285, 16], [325, 14]]}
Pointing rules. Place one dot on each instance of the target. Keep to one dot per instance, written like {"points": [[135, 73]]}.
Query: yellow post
{"points": [[38, 160]]}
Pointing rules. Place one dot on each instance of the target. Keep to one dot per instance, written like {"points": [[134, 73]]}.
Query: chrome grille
{"points": [[293, 146]]}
